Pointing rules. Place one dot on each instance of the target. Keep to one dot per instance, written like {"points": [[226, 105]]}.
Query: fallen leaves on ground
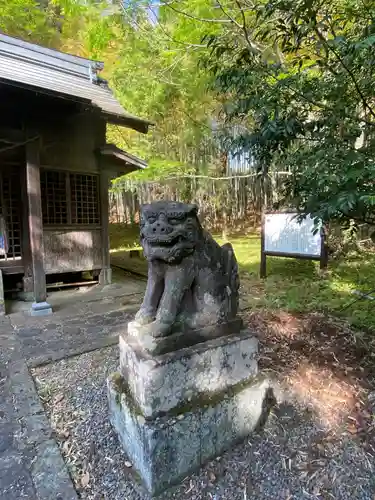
{"points": [[85, 479], [328, 366]]}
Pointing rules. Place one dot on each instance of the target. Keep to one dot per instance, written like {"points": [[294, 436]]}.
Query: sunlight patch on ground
{"points": [[331, 399], [124, 249], [317, 360], [339, 286]]}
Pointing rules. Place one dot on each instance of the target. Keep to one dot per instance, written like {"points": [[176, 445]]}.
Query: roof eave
{"points": [[125, 121], [129, 163], [128, 121]]}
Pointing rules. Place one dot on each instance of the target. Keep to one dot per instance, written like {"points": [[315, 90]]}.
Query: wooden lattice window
{"points": [[85, 199], [54, 197], [70, 199], [10, 196]]}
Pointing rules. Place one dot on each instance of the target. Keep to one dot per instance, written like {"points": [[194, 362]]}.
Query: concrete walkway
{"points": [[85, 322], [30, 462], [31, 465]]}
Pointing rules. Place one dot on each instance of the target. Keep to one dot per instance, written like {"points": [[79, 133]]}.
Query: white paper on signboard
{"points": [[284, 234]]}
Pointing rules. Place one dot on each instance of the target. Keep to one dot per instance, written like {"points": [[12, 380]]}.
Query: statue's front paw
{"points": [[144, 318], [159, 329]]}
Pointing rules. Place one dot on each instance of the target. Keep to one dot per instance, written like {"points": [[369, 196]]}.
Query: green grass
{"points": [[123, 237], [291, 284]]}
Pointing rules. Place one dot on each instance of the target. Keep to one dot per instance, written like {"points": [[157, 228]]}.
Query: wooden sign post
{"points": [[283, 236]]}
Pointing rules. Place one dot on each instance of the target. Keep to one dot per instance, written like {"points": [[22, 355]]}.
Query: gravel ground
{"points": [[297, 455]]}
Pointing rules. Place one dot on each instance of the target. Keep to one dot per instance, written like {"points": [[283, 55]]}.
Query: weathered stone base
{"points": [[181, 338], [160, 383], [165, 449], [175, 410], [40, 309]]}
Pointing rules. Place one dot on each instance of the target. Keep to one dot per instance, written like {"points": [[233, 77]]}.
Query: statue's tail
{"points": [[233, 279]]}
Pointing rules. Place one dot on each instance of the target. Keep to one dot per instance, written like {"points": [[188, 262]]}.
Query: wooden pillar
{"points": [[105, 276], [2, 301], [28, 282], [40, 307], [263, 258], [323, 249]]}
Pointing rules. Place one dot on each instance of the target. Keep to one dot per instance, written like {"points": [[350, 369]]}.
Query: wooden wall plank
{"points": [[72, 250]]}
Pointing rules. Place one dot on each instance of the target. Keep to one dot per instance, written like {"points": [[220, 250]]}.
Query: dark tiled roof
{"points": [[26, 64]]}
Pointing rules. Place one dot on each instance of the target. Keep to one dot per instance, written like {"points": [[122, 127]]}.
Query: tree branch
{"points": [[323, 107], [199, 45], [191, 16], [347, 69], [147, 34], [200, 124], [364, 219], [244, 25], [236, 23]]}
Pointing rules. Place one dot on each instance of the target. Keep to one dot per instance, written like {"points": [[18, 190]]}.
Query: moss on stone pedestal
{"points": [[203, 400], [166, 448], [122, 390]]}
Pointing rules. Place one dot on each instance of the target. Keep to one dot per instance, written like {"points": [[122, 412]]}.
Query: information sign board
{"points": [[283, 235]]}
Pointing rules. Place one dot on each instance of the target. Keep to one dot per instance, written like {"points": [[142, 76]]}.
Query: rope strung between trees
{"points": [[233, 199]]}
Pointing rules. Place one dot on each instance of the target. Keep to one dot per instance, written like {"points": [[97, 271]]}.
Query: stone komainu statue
{"points": [[192, 281]]}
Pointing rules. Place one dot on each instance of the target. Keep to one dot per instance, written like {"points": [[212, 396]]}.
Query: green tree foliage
{"points": [[158, 74], [29, 20], [151, 63], [295, 78], [299, 81]]}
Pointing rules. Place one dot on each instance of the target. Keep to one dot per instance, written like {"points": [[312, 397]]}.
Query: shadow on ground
{"points": [[303, 450], [326, 365]]}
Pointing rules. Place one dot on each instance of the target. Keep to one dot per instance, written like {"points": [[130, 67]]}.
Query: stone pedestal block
{"points": [[165, 449], [40, 309], [173, 412], [181, 336], [161, 383]]}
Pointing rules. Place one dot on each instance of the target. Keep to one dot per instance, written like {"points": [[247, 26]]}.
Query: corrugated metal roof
{"points": [[31, 65]]}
